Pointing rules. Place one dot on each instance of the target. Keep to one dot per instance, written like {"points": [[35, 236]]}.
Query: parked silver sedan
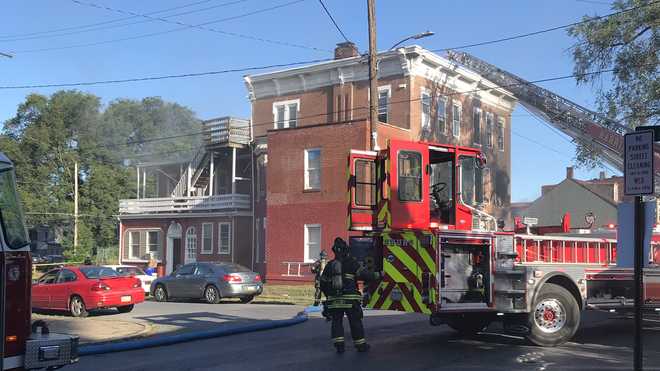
{"points": [[208, 281]]}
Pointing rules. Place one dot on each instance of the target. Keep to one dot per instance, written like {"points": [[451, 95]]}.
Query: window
{"points": [[224, 242], [286, 114], [476, 122], [50, 277], [471, 181], [11, 214], [410, 176], [186, 270], [207, 238], [134, 244], [312, 242], [203, 270], [426, 109], [442, 114], [142, 244], [365, 183], [313, 168], [93, 273], [500, 133], [191, 245], [456, 119], [489, 130], [384, 95], [66, 276]]}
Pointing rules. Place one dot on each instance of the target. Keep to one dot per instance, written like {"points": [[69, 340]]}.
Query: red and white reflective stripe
{"points": [[12, 362]]}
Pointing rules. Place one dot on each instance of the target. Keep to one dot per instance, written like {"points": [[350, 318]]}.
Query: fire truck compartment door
{"points": [[362, 189], [409, 183]]}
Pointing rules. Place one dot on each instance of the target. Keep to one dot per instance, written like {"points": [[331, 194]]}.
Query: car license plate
{"points": [[126, 299], [251, 287]]}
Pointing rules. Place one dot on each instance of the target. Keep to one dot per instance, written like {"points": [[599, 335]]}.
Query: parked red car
{"points": [[81, 289]]}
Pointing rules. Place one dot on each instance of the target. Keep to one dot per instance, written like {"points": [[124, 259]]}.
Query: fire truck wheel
{"points": [[160, 293], [77, 307], [468, 323], [555, 316]]}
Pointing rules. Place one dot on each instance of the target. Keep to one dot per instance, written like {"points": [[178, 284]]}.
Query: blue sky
{"points": [[303, 22]]}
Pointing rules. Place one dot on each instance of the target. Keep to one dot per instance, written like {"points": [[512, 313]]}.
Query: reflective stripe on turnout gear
{"points": [[349, 276], [345, 297], [338, 339], [359, 341]]}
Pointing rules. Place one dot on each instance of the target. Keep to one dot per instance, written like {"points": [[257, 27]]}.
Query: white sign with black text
{"points": [[638, 163]]}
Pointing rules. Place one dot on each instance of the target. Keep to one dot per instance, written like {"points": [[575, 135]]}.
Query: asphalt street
{"points": [[399, 342]]}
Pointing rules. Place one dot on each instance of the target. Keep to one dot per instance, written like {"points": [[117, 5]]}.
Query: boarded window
{"points": [[410, 176], [365, 183]]}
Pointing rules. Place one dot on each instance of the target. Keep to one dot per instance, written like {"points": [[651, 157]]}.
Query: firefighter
{"points": [[317, 269], [339, 284]]}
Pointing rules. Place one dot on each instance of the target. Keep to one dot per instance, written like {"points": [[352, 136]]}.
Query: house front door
{"points": [[177, 253]]}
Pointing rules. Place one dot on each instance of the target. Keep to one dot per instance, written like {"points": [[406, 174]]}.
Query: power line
{"points": [[163, 77], [95, 26], [201, 26], [333, 21], [534, 33]]}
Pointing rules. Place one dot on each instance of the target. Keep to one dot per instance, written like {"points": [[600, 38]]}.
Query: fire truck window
{"points": [[410, 176], [471, 182], [50, 277], [11, 215], [365, 183]]}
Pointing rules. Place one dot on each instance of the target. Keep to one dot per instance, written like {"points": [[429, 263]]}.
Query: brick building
{"points": [[306, 120]]}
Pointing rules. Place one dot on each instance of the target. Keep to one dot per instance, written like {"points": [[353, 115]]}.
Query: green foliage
{"points": [[628, 43], [48, 135]]}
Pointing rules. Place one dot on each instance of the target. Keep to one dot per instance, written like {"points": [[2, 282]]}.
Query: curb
{"points": [[93, 349]]}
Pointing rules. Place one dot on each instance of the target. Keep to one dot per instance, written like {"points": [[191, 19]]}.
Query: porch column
{"points": [[211, 169], [144, 183], [137, 194], [189, 176], [233, 170]]}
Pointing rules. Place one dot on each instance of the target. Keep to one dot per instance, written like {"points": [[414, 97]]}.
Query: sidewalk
{"points": [[96, 329]]}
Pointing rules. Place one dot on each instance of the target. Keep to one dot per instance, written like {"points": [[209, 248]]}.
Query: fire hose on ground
{"points": [[92, 349]]}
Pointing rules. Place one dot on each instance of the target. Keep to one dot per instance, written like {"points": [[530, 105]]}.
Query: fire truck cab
{"points": [[24, 345], [417, 212]]}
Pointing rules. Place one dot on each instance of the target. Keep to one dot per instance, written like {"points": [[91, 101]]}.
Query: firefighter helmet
{"points": [[340, 247]]}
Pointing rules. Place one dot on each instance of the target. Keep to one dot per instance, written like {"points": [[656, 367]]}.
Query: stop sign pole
{"points": [[638, 176]]}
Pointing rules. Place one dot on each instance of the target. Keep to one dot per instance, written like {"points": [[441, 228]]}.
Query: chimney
{"points": [[346, 50], [569, 172], [601, 175]]}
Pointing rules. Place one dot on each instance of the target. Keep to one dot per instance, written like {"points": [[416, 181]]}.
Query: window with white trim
{"points": [[489, 129], [207, 238], [224, 238], [191, 245], [500, 133], [456, 119], [426, 109], [142, 244], [312, 242], [313, 168], [441, 114], [285, 114], [384, 96], [476, 122]]}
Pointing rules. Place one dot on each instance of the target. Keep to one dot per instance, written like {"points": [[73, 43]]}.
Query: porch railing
{"points": [[185, 204]]}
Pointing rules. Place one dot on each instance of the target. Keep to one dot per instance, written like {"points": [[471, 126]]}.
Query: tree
{"points": [[48, 135], [629, 43]]}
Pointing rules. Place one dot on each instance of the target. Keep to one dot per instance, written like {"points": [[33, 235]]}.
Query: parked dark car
{"points": [[208, 281]]}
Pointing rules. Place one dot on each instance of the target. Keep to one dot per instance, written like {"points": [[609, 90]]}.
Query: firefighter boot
{"points": [[362, 347], [340, 347]]}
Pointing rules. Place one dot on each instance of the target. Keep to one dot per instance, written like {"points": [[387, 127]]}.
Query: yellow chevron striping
{"points": [[391, 271], [406, 305], [418, 299], [406, 260], [427, 259]]}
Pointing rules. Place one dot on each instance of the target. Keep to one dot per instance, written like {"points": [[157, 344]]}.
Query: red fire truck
{"points": [[24, 345], [419, 208]]}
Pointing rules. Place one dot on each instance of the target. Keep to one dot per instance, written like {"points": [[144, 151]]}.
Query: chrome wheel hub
{"points": [[210, 294], [550, 315]]}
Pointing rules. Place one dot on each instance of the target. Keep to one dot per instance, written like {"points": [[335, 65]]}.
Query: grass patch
{"points": [[291, 294]]}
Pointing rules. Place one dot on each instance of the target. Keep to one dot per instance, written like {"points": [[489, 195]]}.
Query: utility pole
{"points": [[75, 207], [373, 79]]}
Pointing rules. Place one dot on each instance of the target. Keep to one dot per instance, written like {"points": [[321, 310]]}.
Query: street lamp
{"points": [[414, 37]]}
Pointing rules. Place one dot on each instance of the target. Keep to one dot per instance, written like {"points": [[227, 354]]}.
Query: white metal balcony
{"points": [[224, 202]]}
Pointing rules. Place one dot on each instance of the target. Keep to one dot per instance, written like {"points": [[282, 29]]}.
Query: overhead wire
{"points": [[327, 12], [102, 25]]}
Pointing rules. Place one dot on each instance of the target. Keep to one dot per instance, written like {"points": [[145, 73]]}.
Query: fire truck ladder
{"points": [[603, 134]]}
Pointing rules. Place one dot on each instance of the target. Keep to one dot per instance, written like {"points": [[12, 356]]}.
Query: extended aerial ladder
{"points": [[603, 134]]}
